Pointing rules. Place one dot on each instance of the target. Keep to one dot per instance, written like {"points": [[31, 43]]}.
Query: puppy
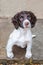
{"points": [[21, 35]]}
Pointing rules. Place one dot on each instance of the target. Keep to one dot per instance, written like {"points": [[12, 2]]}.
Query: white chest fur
{"points": [[20, 37]]}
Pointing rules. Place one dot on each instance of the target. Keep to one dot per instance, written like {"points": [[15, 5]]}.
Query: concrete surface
{"points": [[10, 7], [6, 27]]}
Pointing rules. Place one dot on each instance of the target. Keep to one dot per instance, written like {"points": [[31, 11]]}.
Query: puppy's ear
{"points": [[33, 19], [15, 20]]}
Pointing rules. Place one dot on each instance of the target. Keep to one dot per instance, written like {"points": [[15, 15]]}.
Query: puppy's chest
{"points": [[24, 37]]}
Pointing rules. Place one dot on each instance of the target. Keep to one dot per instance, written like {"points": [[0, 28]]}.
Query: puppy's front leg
{"points": [[9, 48], [28, 50]]}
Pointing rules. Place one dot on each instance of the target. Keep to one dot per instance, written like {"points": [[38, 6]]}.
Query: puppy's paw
{"points": [[28, 55], [10, 55]]}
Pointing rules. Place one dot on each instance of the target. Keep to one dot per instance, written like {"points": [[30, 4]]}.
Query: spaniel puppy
{"points": [[21, 35]]}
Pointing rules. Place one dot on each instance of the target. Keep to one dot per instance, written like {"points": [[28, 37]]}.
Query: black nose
{"points": [[26, 23]]}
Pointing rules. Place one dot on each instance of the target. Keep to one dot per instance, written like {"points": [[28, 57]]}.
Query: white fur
{"points": [[33, 36], [25, 21], [20, 37]]}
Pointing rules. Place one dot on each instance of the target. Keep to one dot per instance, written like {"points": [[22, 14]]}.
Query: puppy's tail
{"points": [[33, 36]]}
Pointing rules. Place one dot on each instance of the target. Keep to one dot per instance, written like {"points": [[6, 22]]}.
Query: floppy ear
{"points": [[33, 19], [15, 20]]}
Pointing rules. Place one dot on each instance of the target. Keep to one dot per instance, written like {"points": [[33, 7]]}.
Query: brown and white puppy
{"points": [[22, 36]]}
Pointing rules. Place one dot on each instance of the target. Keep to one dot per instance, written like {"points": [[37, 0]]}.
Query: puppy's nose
{"points": [[26, 23]]}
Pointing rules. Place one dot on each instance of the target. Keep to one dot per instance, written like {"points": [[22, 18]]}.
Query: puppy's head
{"points": [[24, 19]]}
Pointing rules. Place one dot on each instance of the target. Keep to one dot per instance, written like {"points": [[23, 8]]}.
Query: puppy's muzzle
{"points": [[26, 23]]}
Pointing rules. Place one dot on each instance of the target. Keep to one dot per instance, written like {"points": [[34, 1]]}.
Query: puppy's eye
{"points": [[28, 17], [21, 18]]}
